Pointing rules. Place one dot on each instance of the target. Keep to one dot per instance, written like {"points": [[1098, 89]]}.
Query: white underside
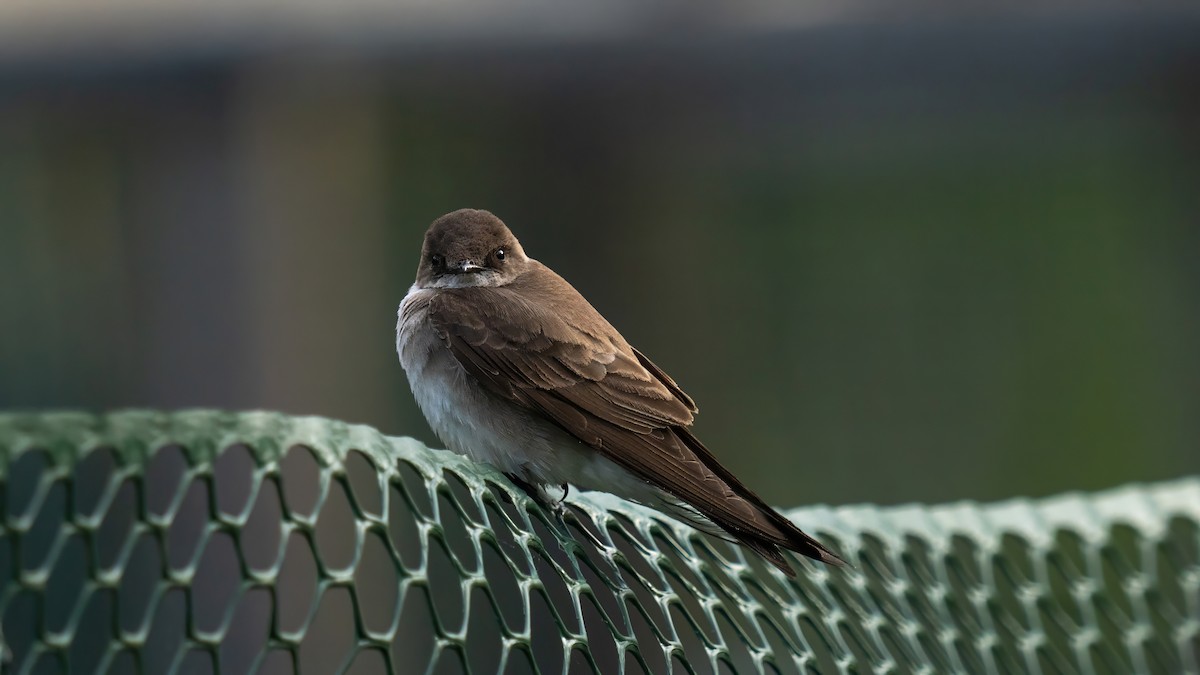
{"points": [[475, 423]]}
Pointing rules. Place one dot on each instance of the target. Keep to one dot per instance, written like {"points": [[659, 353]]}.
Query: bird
{"points": [[512, 367]]}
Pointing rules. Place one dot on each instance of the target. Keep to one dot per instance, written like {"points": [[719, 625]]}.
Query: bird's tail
{"points": [[776, 531]]}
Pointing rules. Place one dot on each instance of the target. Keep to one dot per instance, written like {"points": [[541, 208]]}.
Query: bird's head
{"points": [[469, 247]]}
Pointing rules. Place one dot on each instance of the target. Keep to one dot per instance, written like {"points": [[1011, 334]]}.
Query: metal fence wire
{"points": [[206, 542]]}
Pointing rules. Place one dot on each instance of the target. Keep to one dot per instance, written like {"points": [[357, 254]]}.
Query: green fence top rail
{"points": [[256, 542]]}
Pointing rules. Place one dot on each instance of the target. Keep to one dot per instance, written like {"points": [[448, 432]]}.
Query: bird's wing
{"points": [[564, 361]]}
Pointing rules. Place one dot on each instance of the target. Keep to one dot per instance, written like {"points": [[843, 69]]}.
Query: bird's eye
{"points": [[500, 254], [436, 260]]}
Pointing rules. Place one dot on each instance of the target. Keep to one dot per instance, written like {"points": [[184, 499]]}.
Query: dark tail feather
{"points": [[803, 544], [765, 543], [817, 551], [770, 553]]}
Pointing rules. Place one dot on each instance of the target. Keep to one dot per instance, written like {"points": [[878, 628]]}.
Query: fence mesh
{"points": [[206, 542]]}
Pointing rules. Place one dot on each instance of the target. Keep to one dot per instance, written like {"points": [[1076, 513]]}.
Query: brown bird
{"points": [[513, 367]]}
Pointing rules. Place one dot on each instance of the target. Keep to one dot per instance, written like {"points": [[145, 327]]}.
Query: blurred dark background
{"points": [[896, 252]]}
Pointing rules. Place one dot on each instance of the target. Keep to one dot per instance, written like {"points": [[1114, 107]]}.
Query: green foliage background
{"points": [[902, 261]]}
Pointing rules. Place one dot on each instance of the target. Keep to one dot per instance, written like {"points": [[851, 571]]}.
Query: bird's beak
{"points": [[465, 267]]}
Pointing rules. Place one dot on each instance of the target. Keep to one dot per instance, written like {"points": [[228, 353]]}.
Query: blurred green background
{"points": [[894, 255]]}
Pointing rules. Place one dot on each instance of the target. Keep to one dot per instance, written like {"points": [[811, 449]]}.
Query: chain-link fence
{"points": [[205, 542]]}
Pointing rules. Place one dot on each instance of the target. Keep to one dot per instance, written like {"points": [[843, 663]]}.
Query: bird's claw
{"points": [[539, 494]]}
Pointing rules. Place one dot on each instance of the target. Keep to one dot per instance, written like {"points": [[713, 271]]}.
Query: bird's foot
{"points": [[539, 493], [559, 507], [552, 504]]}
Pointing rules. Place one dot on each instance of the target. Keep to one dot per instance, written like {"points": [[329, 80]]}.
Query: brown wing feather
{"points": [[576, 370]]}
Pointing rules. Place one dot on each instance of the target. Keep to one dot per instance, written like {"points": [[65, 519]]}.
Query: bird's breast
{"points": [[464, 415], [473, 422]]}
